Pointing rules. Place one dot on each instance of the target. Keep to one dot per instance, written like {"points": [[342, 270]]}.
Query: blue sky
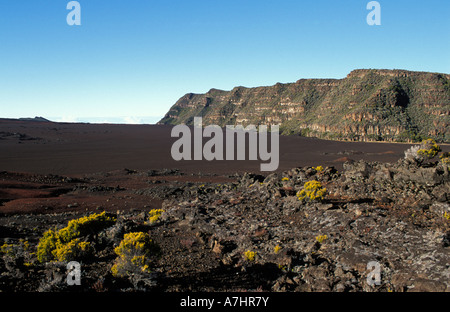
{"points": [[130, 60]]}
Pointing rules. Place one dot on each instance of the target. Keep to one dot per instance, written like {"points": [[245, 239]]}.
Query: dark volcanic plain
{"points": [[77, 149], [376, 210]]}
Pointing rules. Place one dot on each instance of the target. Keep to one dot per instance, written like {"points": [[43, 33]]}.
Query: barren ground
{"points": [[51, 173]]}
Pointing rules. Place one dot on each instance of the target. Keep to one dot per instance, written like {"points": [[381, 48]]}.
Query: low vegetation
{"points": [[445, 159], [250, 255], [425, 151], [66, 244], [154, 215], [134, 254], [321, 238], [312, 191]]}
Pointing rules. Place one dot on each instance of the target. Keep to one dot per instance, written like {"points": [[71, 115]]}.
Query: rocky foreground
{"points": [[251, 232]]}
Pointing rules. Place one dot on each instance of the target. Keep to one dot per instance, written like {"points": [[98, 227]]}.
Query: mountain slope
{"points": [[367, 105]]}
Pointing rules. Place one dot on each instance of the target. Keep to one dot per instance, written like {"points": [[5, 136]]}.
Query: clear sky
{"points": [[130, 60]]}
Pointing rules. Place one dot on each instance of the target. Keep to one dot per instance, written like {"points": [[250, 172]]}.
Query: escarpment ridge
{"points": [[366, 105]]}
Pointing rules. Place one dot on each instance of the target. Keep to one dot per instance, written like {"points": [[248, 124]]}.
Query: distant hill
{"points": [[37, 118], [367, 105]]}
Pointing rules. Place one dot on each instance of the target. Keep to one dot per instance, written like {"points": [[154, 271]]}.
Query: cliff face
{"points": [[367, 105]]}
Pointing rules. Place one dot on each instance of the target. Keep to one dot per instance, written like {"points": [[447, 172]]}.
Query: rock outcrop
{"points": [[392, 214]]}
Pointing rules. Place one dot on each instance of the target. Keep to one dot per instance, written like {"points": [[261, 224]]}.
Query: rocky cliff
{"points": [[367, 105]]}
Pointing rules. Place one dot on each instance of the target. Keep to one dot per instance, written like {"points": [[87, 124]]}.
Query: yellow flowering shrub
{"points": [[46, 246], [75, 249], [86, 225], [17, 251], [250, 255], [321, 238], [154, 215], [134, 254], [312, 190], [7, 249], [445, 158], [428, 149], [277, 249], [14, 249], [319, 168], [65, 245], [447, 215], [25, 244], [285, 179]]}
